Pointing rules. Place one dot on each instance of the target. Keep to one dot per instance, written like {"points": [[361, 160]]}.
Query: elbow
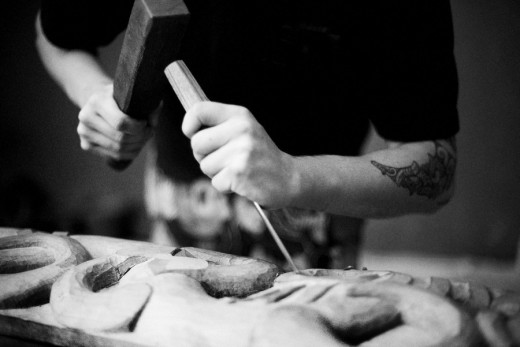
{"points": [[439, 202], [435, 206], [39, 38], [43, 46], [445, 200]]}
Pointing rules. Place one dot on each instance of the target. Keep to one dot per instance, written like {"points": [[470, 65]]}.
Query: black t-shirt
{"points": [[314, 74]]}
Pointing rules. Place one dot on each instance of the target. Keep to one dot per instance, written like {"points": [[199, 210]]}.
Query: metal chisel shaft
{"points": [[275, 236]]}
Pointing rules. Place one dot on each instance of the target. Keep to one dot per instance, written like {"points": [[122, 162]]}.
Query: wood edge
{"points": [[20, 328]]}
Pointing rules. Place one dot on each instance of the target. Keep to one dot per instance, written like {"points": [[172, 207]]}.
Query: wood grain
{"points": [[30, 263], [139, 294], [227, 275], [79, 301], [184, 84]]}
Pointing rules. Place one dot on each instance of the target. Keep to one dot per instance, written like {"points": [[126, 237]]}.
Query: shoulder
{"points": [[83, 24]]}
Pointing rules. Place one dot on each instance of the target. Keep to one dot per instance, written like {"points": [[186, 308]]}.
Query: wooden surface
{"points": [[184, 84], [31, 263], [152, 40], [138, 294]]}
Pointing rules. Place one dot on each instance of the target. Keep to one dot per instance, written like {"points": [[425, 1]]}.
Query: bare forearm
{"points": [[408, 178], [77, 72]]}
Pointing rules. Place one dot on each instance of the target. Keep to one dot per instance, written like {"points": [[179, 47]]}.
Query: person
{"points": [[295, 85]]}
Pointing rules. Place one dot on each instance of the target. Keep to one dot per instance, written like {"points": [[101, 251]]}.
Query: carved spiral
{"points": [[29, 265]]}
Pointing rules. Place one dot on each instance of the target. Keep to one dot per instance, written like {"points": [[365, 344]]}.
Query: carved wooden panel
{"points": [[116, 292]]}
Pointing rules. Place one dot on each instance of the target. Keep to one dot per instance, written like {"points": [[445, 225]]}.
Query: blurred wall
{"points": [[484, 217], [38, 138]]}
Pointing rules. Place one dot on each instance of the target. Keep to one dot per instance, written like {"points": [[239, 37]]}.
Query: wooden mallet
{"points": [[152, 41]]}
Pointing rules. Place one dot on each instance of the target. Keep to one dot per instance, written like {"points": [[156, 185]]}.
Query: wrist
{"points": [[315, 183], [90, 88], [295, 186]]}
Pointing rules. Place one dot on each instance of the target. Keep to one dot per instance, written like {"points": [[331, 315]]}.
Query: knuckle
{"points": [[196, 108], [247, 143], [116, 155], [243, 112], [216, 184], [80, 130], [204, 167], [95, 99], [120, 124], [243, 125], [119, 137], [116, 147], [85, 145], [221, 184], [196, 144], [99, 96], [238, 168], [84, 114]]}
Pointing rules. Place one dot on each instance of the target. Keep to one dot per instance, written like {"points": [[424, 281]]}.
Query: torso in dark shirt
{"points": [[313, 73]]}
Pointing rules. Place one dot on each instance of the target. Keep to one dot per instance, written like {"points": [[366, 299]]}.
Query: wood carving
{"points": [[496, 312], [229, 275], [331, 311], [225, 275], [349, 275], [29, 265], [366, 314], [138, 294], [493, 326], [79, 301]]}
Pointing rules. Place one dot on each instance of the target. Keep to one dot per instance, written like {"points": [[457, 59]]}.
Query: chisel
{"points": [[189, 92]]}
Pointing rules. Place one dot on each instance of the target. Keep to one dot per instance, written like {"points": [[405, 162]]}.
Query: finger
{"points": [[96, 122], [96, 138], [222, 181], [118, 120], [208, 140], [105, 153], [208, 114], [219, 159], [102, 152]]}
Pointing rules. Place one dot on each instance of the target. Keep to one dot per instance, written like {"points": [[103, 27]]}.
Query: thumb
{"points": [[205, 114]]}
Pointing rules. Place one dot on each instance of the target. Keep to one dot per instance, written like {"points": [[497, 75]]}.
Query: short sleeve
{"points": [[415, 77], [83, 24]]}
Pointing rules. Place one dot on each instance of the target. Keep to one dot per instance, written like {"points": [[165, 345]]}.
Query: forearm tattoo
{"points": [[430, 179]]}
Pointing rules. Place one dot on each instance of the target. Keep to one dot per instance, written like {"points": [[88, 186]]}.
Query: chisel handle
{"points": [[184, 84], [189, 92]]}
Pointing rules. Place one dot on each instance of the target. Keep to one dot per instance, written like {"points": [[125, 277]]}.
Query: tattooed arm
{"points": [[236, 152], [415, 177]]}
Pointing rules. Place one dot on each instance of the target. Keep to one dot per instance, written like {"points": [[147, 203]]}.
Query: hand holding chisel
{"points": [[216, 148]]}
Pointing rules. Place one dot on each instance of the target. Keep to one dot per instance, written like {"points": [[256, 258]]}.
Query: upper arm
{"points": [[82, 24], [416, 85], [417, 93]]}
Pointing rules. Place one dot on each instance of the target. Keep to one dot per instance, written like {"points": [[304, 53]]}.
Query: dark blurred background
{"points": [[47, 182]]}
